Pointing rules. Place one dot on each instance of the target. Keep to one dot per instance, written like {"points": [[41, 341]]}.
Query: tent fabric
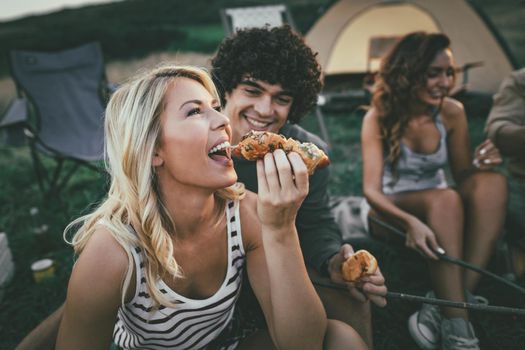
{"points": [[343, 36]]}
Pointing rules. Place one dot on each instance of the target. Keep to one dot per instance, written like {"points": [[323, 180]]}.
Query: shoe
{"points": [[458, 334], [425, 325], [475, 299]]}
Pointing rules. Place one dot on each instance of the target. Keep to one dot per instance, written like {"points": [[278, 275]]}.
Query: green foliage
{"points": [[134, 28], [199, 38], [26, 303]]}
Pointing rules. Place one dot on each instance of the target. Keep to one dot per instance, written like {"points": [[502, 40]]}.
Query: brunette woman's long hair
{"points": [[402, 72]]}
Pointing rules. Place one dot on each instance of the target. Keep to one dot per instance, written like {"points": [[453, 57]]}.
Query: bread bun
{"points": [[255, 144], [358, 265]]}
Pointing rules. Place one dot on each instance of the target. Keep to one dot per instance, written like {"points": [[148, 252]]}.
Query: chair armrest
{"points": [[112, 87], [16, 113]]}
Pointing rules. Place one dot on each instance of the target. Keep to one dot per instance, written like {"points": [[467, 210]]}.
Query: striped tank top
{"points": [[194, 323], [418, 171]]}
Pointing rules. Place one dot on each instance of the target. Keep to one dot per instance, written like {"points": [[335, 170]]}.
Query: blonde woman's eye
{"points": [[218, 109], [194, 111]]}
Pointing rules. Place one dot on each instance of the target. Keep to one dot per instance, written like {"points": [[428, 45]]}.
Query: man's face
{"points": [[257, 105]]}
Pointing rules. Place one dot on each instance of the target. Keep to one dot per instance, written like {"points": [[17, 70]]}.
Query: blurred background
{"points": [[137, 34]]}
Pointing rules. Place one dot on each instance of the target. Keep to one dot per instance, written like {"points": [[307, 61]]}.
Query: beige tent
{"points": [[351, 36]]}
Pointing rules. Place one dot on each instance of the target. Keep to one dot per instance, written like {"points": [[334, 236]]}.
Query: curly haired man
{"points": [[269, 79]]}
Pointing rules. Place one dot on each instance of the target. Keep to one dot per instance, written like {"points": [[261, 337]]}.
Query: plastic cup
{"points": [[43, 269]]}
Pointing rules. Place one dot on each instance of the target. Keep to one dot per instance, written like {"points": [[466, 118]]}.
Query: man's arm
{"points": [[506, 121], [319, 235], [44, 336]]}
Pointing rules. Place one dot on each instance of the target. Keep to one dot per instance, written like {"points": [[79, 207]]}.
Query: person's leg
{"points": [[442, 211], [485, 199], [515, 224], [45, 334], [259, 340], [340, 335], [340, 305]]}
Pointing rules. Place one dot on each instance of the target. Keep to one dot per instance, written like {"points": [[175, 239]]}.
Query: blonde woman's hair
{"points": [[132, 129]]}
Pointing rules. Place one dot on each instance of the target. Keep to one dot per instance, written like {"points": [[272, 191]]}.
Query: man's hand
{"points": [[368, 288]]}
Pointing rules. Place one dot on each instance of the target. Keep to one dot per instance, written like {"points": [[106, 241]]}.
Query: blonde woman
{"points": [[410, 135], [160, 262]]}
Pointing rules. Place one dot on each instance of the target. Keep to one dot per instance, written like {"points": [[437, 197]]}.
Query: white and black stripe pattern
{"points": [[194, 323]]}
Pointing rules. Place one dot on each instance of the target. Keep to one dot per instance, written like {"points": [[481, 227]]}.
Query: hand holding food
{"points": [[358, 265], [256, 144]]}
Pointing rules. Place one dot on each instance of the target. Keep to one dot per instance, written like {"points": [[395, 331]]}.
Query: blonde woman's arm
{"points": [[293, 311], [94, 295]]}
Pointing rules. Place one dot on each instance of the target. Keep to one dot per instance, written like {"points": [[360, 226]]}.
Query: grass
{"points": [[26, 303]]}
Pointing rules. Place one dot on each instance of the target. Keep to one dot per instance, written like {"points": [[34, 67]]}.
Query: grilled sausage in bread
{"points": [[255, 144]]}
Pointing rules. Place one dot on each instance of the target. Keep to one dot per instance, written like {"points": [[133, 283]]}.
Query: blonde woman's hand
{"points": [[486, 156], [283, 185], [422, 239]]}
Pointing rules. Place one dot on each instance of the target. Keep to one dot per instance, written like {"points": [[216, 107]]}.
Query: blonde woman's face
{"points": [[439, 79], [193, 138]]}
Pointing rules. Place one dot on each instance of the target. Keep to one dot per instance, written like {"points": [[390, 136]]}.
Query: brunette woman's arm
{"points": [[419, 236]]}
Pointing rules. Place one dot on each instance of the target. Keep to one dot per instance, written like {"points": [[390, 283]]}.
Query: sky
{"points": [[13, 9]]}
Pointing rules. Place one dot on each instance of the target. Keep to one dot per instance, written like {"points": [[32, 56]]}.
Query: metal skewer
{"points": [[435, 301], [444, 257]]}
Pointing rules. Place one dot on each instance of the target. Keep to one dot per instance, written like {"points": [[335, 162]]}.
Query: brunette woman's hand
{"points": [[486, 156], [283, 185], [422, 239]]}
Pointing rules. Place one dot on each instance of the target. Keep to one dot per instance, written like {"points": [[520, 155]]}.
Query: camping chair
{"points": [[60, 110], [234, 19], [12, 123]]}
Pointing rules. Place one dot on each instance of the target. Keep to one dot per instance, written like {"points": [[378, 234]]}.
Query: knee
{"points": [[339, 335], [340, 305], [446, 201], [486, 187]]}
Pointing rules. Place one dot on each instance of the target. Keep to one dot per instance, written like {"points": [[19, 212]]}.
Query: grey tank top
{"points": [[418, 171]]}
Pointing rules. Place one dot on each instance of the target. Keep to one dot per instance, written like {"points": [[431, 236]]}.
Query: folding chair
{"points": [[12, 123], [234, 19], [60, 109]]}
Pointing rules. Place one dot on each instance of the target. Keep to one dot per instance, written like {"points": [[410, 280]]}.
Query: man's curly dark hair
{"points": [[273, 55]]}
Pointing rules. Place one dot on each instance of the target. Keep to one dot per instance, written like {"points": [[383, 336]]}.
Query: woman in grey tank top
{"points": [[410, 135]]}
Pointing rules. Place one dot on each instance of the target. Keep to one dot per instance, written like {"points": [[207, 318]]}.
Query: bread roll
{"points": [[358, 265]]}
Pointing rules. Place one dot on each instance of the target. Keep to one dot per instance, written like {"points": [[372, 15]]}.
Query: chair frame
{"points": [[50, 181], [282, 9]]}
